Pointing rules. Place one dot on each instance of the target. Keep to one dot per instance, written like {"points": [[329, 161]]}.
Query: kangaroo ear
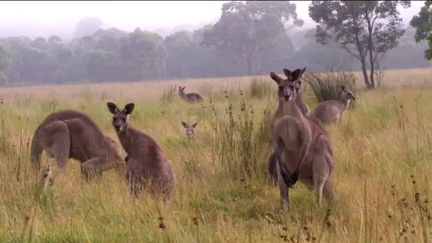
{"points": [[185, 125], [194, 125], [276, 77], [297, 74], [129, 108], [287, 73], [343, 87], [112, 107]]}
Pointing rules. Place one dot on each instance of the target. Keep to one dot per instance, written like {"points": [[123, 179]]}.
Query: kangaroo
{"points": [[146, 163], [302, 148], [330, 111], [190, 97], [190, 129], [271, 162], [72, 134]]}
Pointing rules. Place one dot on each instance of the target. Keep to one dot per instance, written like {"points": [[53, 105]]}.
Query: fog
{"points": [[45, 18]]}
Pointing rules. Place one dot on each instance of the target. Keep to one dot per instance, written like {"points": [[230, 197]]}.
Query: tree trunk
{"points": [[370, 49], [365, 74]]}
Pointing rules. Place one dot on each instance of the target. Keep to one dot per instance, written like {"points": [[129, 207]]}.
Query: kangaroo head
{"points": [[190, 129], [289, 87], [120, 117], [181, 90], [346, 93]]}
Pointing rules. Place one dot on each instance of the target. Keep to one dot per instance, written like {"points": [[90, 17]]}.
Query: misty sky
{"points": [[44, 17]]}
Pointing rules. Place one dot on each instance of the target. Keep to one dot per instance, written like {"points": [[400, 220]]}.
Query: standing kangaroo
{"points": [[189, 97], [302, 149], [146, 166], [304, 110], [72, 134], [331, 111], [190, 129]]}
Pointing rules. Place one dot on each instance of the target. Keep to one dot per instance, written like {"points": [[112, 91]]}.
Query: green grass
{"points": [[223, 192]]}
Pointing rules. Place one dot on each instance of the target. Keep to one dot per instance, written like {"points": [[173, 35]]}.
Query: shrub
{"points": [[326, 86]]}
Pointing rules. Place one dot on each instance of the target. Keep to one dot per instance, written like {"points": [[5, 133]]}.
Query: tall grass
{"points": [[221, 195], [259, 88], [241, 141]]}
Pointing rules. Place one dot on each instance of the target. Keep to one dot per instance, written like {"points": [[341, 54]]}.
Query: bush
{"points": [[326, 86]]}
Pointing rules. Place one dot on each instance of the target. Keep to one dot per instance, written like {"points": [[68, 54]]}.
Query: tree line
{"points": [[250, 38]]}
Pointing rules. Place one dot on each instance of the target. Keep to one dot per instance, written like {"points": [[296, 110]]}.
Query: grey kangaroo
{"points": [[147, 167], [71, 134], [302, 148], [189, 97], [190, 129], [330, 111], [304, 110]]}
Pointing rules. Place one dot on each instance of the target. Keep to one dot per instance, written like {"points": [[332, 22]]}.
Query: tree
{"points": [[423, 24], [365, 29], [248, 29], [144, 54], [5, 62], [87, 26]]}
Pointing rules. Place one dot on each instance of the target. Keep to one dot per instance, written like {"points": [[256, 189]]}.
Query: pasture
{"points": [[383, 156]]}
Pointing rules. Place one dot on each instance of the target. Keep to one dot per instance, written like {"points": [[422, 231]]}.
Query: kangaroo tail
{"points": [[36, 150]]}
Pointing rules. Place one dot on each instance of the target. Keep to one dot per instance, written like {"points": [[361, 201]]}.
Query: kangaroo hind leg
{"points": [[59, 135]]}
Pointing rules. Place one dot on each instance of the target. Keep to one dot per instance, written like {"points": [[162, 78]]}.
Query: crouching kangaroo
{"points": [[189, 97], [331, 111], [71, 134], [147, 167], [302, 148], [190, 129]]}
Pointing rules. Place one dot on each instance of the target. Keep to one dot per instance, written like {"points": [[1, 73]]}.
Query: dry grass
{"points": [[378, 146]]}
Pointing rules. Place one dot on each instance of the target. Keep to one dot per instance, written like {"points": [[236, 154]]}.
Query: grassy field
{"points": [[383, 155]]}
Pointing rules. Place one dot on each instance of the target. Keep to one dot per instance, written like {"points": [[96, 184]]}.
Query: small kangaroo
{"points": [[302, 148], [72, 134], [330, 111], [189, 97], [146, 166], [190, 129]]}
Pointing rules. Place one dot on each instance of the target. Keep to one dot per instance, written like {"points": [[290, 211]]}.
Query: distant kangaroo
{"points": [[330, 111], [302, 148], [72, 134], [147, 166], [189, 97], [190, 129]]}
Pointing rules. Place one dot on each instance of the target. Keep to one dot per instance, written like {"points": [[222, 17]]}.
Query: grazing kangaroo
{"points": [[189, 97], [190, 129], [330, 111], [146, 166], [302, 148], [72, 134]]}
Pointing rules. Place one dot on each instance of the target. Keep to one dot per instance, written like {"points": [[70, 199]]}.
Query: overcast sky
{"points": [[42, 16]]}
